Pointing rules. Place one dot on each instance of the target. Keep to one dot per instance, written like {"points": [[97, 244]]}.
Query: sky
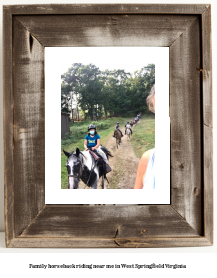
{"points": [[128, 58]]}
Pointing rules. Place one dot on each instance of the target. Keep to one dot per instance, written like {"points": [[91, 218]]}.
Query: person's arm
{"points": [[141, 170], [85, 145], [97, 145]]}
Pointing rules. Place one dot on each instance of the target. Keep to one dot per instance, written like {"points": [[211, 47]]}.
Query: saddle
{"points": [[100, 162], [95, 155]]}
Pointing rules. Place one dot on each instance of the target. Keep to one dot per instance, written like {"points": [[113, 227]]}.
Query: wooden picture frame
{"points": [[186, 30]]}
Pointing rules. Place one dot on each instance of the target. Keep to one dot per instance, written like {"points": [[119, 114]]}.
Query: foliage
{"points": [[106, 93]]}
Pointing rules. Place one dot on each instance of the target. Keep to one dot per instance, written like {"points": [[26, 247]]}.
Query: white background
{"points": [[201, 261], [114, 58]]}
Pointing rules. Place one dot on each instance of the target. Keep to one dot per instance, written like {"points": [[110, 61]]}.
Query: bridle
{"points": [[92, 168], [80, 171]]}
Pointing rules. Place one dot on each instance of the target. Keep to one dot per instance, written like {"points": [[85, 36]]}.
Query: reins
{"points": [[92, 169]]}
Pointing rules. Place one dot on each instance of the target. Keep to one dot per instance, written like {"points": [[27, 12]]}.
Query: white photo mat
{"points": [[57, 62]]}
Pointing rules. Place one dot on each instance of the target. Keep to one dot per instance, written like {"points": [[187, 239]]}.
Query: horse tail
{"points": [[106, 151], [109, 154]]}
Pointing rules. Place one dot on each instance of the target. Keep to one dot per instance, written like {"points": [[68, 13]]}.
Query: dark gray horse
{"points": [[82, 166]]}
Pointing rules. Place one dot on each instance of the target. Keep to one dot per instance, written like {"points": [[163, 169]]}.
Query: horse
{"points": [[82, 166], [117, 135], [128, 133]]}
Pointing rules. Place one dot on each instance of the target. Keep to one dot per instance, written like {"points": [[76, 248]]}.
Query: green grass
{"points": [[105, 129], [143, 138]]}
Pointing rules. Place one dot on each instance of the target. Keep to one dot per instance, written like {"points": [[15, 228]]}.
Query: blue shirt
{"points": [[92, 141]]}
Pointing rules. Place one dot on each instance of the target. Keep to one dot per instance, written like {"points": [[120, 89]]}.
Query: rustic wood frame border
{"points": [[186, 29]]}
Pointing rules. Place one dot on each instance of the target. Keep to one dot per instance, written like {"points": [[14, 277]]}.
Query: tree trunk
{"points": [[78, 113]]}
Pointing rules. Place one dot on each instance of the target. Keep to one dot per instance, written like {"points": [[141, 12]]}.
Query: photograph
{"points": [[108, 126], [108, 131]]}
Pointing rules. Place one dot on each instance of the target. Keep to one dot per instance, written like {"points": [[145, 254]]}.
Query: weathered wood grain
{"points": [[208, 183], [108, 221], [108, 243], [207, 118], [106, 9], [8, 125], [107, 30], [186, 133], [207, 66], [186, 29], [29, 130]]}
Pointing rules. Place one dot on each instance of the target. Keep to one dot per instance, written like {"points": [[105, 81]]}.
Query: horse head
{"points": [[74, 167]]}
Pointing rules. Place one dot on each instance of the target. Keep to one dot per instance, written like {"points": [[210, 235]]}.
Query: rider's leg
{"points": [[121, 132], [102, 154], [131, 131]]}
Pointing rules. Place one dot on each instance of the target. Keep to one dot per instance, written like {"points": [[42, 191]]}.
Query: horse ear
{"points": [[77, 152], [66, 153]]}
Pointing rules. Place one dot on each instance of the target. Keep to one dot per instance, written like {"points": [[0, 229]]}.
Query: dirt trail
{"points": [[124, 165]]}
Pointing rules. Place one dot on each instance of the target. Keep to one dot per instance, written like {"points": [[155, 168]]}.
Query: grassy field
{"points": [[143, 138], [105, 128]]}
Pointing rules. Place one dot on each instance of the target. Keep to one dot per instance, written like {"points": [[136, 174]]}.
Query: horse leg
{"points": [[94, 186], [102, 182]]}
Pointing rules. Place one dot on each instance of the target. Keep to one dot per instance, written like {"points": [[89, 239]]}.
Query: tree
{"points": [[114, 93]]}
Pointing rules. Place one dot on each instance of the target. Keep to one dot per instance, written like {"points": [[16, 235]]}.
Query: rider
{"points": [[127, 125], [92, 142], [117, 128]]}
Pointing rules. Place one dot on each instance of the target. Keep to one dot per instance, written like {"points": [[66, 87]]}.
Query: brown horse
{"points": [[118, 137]]}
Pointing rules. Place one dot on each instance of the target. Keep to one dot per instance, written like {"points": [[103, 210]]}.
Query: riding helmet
{"points": [[91, 127], [118, 123]]}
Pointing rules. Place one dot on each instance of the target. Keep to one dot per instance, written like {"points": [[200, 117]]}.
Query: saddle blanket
{"points": [[96, 157]]}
